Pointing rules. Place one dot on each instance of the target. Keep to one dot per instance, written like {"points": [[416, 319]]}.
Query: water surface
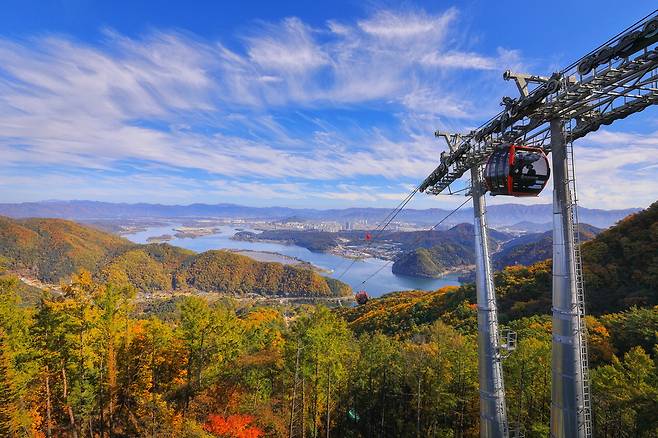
{"points": [[385, 281]]}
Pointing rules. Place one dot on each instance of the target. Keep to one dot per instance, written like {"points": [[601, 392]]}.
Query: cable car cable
{"points": [[383, 225], [419, 238], [379, 224]]}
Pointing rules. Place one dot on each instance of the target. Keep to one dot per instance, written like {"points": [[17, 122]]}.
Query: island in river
{"points": [[183, 232], [160, 239]]}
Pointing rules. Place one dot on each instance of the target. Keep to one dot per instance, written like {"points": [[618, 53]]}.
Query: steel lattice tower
{"points": [[613, 81]]}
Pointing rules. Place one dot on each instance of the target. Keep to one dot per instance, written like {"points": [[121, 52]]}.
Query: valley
{"points": [[232, 317]]}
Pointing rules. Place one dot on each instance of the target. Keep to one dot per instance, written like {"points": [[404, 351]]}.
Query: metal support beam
{"points": [[493, 415], [567, 395], [595, 90]]}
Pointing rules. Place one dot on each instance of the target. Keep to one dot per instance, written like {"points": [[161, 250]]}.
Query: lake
{"points": [[385, 281]]}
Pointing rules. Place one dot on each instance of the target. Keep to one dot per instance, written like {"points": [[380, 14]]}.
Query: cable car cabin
{"points": [[517, 171], [361, 297]]}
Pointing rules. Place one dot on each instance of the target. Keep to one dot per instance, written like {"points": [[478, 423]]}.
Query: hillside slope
{"points": [[620, 268], [51, 250], [533, 248], [435, 253], [224, 271]]}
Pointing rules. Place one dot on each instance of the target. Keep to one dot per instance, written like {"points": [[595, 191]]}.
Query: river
{"points": [[385, 281]]}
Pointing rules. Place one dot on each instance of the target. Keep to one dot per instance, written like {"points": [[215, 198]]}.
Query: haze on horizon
{"points": [[300, 105]]}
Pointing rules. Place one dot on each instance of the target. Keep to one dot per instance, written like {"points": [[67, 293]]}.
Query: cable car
{"points": [[517, 171], [361, 297]]}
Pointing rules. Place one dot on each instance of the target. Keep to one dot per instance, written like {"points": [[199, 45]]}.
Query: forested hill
{"points": [[535, 247], [88, 361], [435, 253], [620, 267], [51, 250]]}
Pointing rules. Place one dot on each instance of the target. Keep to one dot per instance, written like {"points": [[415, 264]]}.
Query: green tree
{"points": [[625, 396], [327, 350], [211, 336]]}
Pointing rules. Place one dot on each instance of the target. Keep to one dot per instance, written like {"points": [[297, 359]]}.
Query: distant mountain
{"points": [[530, 227], [456, 250], [441, 251], [533, 248], [498, 215], [51, 250]]}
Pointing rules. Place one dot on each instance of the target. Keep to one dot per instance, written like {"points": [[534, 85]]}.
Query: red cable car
{"points": [[517, 171], [361, 297]]}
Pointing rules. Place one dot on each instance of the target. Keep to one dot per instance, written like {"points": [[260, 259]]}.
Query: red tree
{"points": [[233, 426]]}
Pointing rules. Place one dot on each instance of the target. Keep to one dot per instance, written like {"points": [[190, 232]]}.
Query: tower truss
{"points": [[615, 80]]}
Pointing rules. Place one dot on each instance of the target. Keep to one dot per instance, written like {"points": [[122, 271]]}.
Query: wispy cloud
{"points": [[287, 111]]}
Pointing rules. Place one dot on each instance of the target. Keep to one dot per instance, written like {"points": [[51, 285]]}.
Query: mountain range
{"points": [[498, 215]]}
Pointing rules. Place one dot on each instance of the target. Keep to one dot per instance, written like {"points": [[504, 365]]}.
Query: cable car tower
{"points": [[617, 79]]}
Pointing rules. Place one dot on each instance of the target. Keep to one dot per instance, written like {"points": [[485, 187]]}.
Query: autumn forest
{"points": [[92, 360]]}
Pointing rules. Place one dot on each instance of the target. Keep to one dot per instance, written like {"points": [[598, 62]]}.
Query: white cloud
{"points": [[460, 60], [617, 170], [288, 48], [390, 25], [165, 98], [249, 117]]}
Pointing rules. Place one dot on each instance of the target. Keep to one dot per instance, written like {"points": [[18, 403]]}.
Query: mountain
{"points": [[620, 268], [533, 248], [433, 262], [51, 250], [223, 271], [529, 227], [435, 259], [149, 268], [498, 215], [461, 234], [622, 263], [438, 252]]}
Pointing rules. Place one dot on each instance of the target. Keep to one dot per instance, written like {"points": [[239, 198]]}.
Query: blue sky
{"points": [[284, 103]]}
